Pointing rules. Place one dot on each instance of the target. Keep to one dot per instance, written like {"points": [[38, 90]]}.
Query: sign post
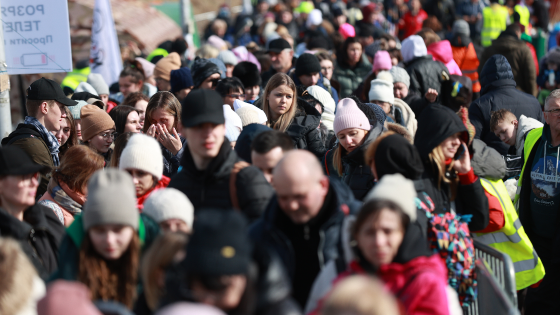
{"points": [[5, 110]]}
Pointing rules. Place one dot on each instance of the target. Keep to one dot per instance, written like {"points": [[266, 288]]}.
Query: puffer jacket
{"points": [[425, 73], [520, 60], [39, 235], [303, 129], [441, 51], [435, 125], [210, 188], [350, 79], [356, 173], [498, 91], [172, 162], [466, 58]]}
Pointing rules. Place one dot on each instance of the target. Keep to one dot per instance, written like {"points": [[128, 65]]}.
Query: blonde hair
{"points": [[360, 295], [207, 51], [339, 151], [157, 258], [438, 161], [285, 120]]}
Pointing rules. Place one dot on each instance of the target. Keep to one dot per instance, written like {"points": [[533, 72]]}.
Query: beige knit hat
{"points": [[248, 115], [142, 152], [165, 65], [94, 121]]}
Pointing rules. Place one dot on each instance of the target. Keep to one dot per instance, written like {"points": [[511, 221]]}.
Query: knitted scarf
{"points": [[49, 138], [56, 191]]}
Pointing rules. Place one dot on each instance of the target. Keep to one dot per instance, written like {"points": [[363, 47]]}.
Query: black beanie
{"points": [[395, 154], [202, 106], [248, 73], [219, 245], [307, 64], [202, 69]]}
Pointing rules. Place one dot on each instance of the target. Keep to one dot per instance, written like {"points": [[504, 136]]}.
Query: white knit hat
{"points": [[85, 87], [327, 117], [234, 125], [248, 115], [142, 152], [381, 90], [169, 203], [398, 189], [262, 116]]}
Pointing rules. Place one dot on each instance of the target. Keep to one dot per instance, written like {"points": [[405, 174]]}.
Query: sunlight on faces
{"points": [[506, 132], [385, 106], [143, 181], [380, 236], [252, 92], [327, 68], [78, 125], [552, 120], [127, 86], [351, 138], [354, 52], [208, 82], [174, 225], [164, 118], [111, 240], [163, 85], [18, 191], [400, 90], [104, 98], [133, 123], [141, 106], [280, 100], [266, 162], [309, 79], [63, 133], [450, 145], [205, 140], [54, 115], [281, 61], [101, 144]]}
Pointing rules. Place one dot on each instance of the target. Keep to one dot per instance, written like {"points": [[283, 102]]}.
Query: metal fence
{"points": [[496, 283]]}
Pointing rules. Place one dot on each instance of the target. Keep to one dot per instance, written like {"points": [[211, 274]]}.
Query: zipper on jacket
{"points": [[361, 169], [31, 242]]}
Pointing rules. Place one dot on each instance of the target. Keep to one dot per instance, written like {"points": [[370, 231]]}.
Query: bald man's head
{"points": [[301, 185]]}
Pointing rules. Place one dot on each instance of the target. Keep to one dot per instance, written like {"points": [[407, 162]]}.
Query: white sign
{"points": [[105, 54], [36, 36]]}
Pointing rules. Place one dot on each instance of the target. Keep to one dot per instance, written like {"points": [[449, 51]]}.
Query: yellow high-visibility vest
{"points": [[532, 137], [494, 22], [74, 78], [512, 239], [524, 17]]}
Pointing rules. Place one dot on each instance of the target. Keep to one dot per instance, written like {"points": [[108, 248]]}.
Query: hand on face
{"points": [[169, 141]]}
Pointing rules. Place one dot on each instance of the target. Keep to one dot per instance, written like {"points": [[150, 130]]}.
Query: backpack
{"points": [[449, 236]]}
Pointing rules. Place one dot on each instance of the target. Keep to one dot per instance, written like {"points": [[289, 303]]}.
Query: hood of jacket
{"points": [[398, 275], [306, 119], [441, 51], [524, 125], [435, 124], [460, 40], [245, 139], [413, 47], [496, 73], [487, 162]]}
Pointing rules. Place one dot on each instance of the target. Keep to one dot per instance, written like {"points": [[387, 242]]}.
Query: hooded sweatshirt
{"points": [[545, 192], [525, 124], [441, 51]]}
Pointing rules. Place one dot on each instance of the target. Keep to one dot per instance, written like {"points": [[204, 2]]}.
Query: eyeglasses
{"points": [[237, 96], [555, 112], [107, 135]]}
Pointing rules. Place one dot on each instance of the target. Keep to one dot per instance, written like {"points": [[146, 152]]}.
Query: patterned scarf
{"points": [[49, 138], [62, 198]]}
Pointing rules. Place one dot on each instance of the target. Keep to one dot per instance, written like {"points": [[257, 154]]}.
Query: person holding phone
{"points": [[442, 141]]}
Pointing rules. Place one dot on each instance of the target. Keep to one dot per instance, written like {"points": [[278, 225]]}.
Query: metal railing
{"points": [[497, 292]]}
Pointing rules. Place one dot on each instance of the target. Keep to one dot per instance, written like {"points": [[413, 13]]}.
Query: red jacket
{"points": [[163, 182], [412, 24]]}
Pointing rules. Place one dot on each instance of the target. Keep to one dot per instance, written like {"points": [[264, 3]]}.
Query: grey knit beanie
{"points": [[461, 27], [400, 75], [398, 189], [96, 80], [111, 200]]}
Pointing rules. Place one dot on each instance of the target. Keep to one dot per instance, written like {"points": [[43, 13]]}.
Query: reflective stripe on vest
{"points": [[494, 22], [512, 239], [532, 137]]}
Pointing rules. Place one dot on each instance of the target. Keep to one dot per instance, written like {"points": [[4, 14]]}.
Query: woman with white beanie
{"points": [[234, 125], [319, 93], [171, 209], [354, 134], [142, 159]]}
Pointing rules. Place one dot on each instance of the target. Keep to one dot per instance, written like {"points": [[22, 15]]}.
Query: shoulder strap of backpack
{"points": [[30, 133], [237, 167]]}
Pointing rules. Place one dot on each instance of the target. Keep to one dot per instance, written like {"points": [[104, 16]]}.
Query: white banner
{"points": [[105, 54], [36, 36]]}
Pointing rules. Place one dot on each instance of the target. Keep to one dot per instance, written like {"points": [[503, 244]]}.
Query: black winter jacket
{"points": [[172, 162], [39, 235], [498, 92], [434, 125], [425, 73], [303, 129], [210, 188], [357, 174]]}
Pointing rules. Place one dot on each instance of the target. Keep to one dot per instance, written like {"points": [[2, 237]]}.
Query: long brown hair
{"points": [[73, 138], [286, 119], [166, 101], [110, 280], [77, 167]]}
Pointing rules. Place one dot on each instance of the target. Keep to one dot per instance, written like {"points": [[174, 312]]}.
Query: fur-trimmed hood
{"points": [[396, 128]]}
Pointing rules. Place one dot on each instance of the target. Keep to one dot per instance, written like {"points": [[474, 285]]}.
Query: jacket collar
{"points": [[33, 218], [217, 168]]}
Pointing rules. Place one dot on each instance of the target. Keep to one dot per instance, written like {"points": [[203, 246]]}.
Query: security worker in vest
{"points": [[495, 19], [538, 205], [504, 231], [524, 16]]}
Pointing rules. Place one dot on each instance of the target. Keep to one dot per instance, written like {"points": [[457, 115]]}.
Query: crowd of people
{"points": [[315, 157]]}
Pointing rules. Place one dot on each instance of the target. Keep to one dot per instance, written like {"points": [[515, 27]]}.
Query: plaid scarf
{"points": [[49, 138]]}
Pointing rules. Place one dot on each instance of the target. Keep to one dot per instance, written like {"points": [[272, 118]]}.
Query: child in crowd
{"points": [[505, 126]]}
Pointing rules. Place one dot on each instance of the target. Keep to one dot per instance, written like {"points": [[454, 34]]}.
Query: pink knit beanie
{"points": [[347, 30], [348, 115], [382, 61]]}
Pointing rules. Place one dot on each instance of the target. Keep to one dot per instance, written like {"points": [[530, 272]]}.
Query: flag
{"points": [[105, 54]]}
